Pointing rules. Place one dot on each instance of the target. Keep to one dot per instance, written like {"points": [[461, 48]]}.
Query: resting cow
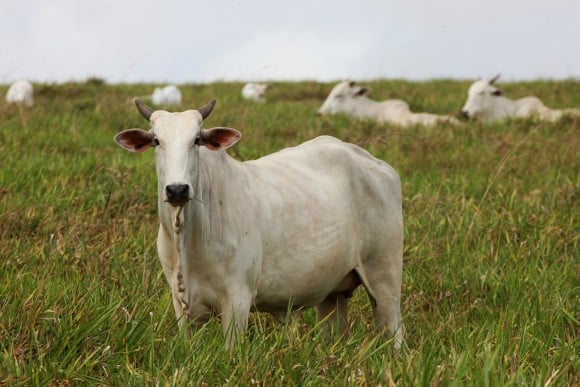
{"points": [[349, 98], [487, 103], [255, 92], [168, 96], [302, 227], [20, 92]]}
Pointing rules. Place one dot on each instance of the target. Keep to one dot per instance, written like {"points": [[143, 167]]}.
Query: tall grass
{"points": [[491, 256]]}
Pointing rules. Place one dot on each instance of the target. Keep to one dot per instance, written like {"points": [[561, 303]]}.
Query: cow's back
{"points": [[328, 157], [395, 105], [529, 106]]}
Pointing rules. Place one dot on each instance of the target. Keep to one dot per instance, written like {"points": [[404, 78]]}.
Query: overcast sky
{"points": [[203, 41]]}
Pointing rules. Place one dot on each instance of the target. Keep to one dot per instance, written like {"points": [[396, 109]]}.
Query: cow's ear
{"points": [[364, 91], [219, 138], [135, 140], [497, 93]]}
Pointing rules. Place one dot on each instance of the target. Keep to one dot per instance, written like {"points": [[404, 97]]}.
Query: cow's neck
{"points": [[503, 107], [365, 107]]}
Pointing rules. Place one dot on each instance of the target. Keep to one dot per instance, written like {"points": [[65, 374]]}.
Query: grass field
{"points": [[490, 283]]}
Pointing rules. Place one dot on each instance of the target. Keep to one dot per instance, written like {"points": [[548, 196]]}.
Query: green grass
{"points": [[490, 294]]}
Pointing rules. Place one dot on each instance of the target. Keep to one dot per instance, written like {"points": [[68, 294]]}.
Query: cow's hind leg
{"points": [[334, 311], [384, 289]]}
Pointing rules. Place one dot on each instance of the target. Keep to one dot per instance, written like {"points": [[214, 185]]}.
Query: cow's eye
{"points": [[155, 141], [197, 140]]}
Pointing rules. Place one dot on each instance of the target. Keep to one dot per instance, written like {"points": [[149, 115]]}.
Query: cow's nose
{"points": [[177, 193], [464, 114]]}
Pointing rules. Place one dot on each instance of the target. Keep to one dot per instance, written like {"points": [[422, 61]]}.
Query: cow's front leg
{"points": [[235, 310]]}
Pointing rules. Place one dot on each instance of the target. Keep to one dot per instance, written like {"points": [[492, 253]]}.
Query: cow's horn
{"points": [[492, 80], [206, 109], [145, 110]]}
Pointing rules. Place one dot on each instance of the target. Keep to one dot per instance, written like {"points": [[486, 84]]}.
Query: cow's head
{"points": [[176, 138], [255, 91], [481, 98], [261, 89], [341, 95]]}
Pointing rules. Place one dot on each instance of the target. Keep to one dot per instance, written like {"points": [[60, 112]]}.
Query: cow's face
{"points": [[481, 97], [261, 89], [255, 91], [176, 138], [340, 96]]}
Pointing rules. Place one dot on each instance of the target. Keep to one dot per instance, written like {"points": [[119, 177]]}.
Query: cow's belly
{"points": [[300, 290], [306, 264], [281, 297]]}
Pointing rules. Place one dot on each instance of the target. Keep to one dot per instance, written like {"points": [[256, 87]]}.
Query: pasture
{"points": [[490, 280]]}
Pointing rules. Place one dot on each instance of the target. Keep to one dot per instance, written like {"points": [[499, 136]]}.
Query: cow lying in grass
{"points": [[20, 92], [255, 92], [349, 98], [487, 103], [167, 96]]}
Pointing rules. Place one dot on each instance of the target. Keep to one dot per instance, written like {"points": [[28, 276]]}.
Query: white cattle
{"points": [[255, 91], [168, 95], [487, 103], [20, 92], [301, 227], [349, 98]]}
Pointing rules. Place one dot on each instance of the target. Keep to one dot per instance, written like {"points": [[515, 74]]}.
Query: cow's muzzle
{"points": [[464, 114], [177, 194]]}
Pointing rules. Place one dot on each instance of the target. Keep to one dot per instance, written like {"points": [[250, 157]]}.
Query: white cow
{"points": [[255, 91], [168, 96], [20, 92], [349, 98], [301, 227], [487, 103]]}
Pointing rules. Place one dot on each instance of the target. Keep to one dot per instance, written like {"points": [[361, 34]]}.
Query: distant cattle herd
{"points": [[485, 102]]}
